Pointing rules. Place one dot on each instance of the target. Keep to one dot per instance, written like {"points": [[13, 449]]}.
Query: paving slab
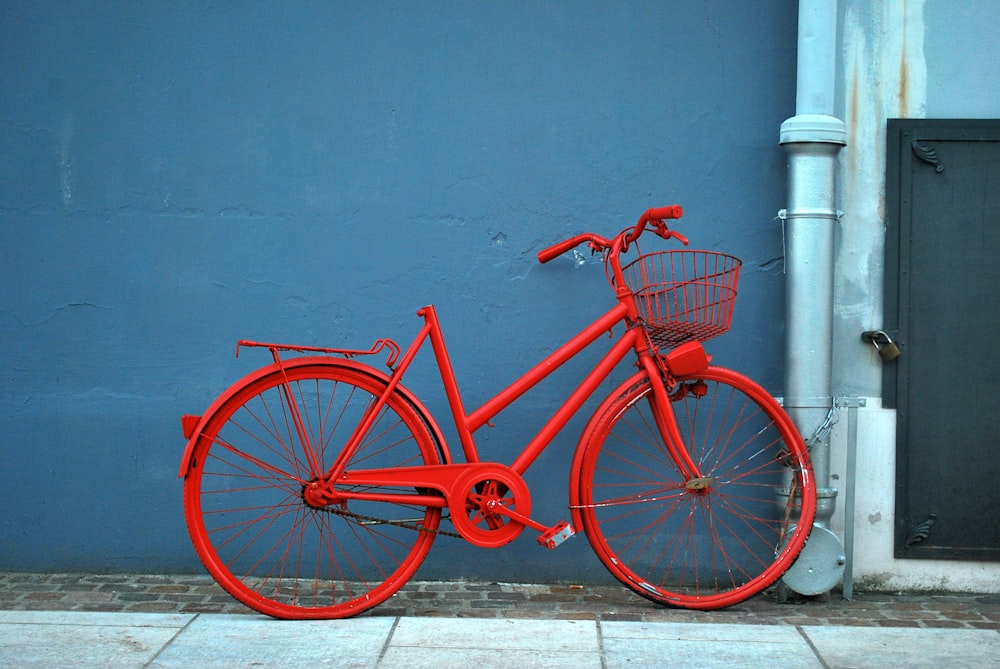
{"points": [[230, 642], [913, 648], [714, 646], [487, 643], [54, 639]]}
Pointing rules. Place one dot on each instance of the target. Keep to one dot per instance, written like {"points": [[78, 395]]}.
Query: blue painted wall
{"points": [[176, 176]]}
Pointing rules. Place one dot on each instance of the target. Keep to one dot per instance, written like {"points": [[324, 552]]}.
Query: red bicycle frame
{"points": [[445, 478], [467, 424]]}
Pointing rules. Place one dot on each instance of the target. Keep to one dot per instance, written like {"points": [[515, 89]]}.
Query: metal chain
{"points": [[824, 428], [398, 523]]}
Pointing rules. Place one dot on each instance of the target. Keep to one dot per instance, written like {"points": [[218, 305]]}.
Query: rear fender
{"points": [[193, 426]]}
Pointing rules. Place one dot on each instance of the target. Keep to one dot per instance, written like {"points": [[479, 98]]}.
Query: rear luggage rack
{"points": [[377, 347]]}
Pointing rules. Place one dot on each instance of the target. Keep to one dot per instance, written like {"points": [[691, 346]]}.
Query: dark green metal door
{"points": [[943, 307]]}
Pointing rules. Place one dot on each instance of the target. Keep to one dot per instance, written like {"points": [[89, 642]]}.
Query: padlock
{"points": [[887, 349]]}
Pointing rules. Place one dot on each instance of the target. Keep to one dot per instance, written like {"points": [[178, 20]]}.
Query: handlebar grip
{"points": [[557, 250], [660, 213]]}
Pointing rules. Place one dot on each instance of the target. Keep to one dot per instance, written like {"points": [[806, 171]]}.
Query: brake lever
{"points": [[667, 234], [678, 236]]}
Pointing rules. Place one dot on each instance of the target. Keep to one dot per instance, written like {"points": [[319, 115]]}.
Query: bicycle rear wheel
{"points": [[247, 513], [701, 544]]}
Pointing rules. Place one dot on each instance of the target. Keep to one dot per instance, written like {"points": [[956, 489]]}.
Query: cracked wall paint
{"points": [[66, 161]]}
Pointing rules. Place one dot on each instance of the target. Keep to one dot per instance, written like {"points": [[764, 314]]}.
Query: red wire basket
{"points": [[684, 295]]}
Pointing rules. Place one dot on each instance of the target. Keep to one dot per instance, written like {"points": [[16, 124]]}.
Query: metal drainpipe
{"points": [[812, 140]]}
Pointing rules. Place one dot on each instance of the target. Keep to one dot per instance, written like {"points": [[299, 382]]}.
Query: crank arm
{"points": [[496, 507]]}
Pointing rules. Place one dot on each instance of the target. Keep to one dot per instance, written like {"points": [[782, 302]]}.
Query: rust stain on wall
{"points": [[904, 74], [904, 80]]}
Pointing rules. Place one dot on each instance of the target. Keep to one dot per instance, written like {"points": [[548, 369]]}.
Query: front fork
{"points": [[686, 359]]}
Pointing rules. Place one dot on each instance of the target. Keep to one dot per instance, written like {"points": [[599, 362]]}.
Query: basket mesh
{"points": [[684, 295]]}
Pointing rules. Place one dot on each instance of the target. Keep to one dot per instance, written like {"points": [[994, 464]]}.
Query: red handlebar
{"points": [[599, 243], [548, 254], [660, 213]]}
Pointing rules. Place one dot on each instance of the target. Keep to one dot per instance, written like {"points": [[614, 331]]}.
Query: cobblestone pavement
{"points": [[199, 594]]}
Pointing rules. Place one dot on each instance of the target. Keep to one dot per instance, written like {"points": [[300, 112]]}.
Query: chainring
{"points": [[475, 496]]}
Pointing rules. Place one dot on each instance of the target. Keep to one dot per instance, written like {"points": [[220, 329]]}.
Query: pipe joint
{"points": [[813, 129]]}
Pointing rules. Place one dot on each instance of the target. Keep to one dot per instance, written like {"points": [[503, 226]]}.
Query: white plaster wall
{"points": [[963, 62], [899, 59]]}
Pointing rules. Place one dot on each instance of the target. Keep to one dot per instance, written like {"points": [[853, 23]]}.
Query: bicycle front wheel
{"points": [[705, 543], [246, 508]]}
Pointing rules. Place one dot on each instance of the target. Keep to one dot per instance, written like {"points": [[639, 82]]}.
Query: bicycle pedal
{"points": [[556, 534]]}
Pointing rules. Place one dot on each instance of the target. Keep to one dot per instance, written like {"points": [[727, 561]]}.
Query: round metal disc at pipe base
{"points": [[820, 565]]}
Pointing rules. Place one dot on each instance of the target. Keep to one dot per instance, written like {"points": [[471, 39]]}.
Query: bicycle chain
{"points": [[397, 523]]}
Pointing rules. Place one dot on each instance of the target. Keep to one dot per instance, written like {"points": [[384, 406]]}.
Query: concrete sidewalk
{"points": [[111, 640]]}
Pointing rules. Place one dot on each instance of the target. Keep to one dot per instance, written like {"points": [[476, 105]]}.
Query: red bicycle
{"points": [[314, 486]]}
